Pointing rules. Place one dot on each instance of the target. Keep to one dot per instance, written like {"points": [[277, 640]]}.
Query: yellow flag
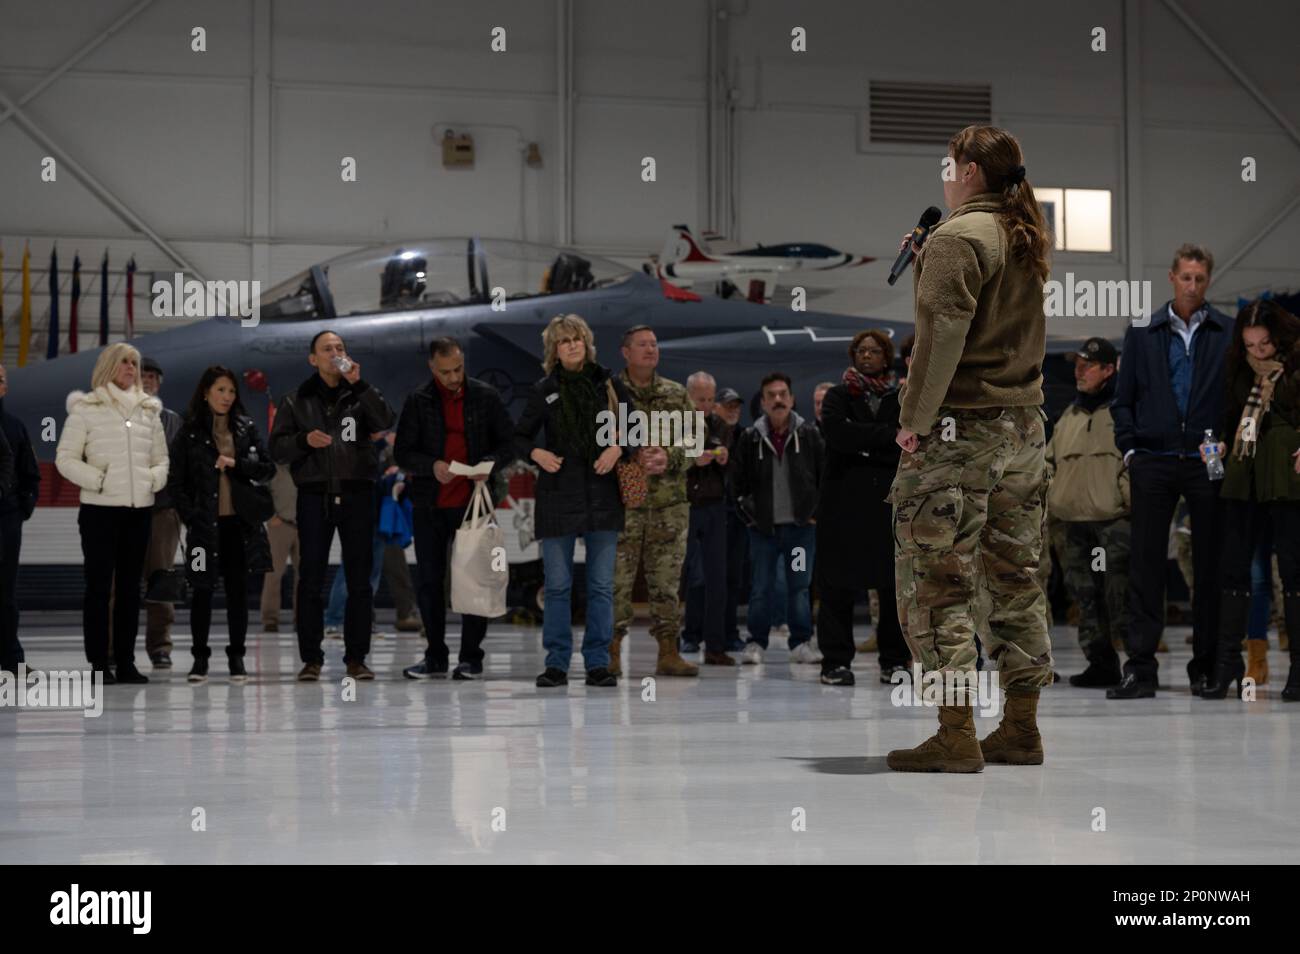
{"points": [[25, 316]]}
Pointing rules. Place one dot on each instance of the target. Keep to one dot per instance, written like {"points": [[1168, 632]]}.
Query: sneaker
{"points": [[425, 670], [600, 676], [309, 673], [198, 671], [360, 671], [887, 673], [840, 676], [718, 659], [130, 675], [688, 646], [160, 660], [333, 632], [238, 674], [552, 678], [467, 670], [805, 653], [782, 630], [753, 654], [411, 624]]}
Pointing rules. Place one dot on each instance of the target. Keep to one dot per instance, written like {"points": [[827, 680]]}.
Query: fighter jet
{"points": [[495, 297], [752, 271]]}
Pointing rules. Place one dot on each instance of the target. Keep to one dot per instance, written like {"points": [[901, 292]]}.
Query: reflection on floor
{"points": [[752, 764]]}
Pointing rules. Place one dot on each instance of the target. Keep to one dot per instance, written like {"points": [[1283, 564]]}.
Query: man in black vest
{"points": [[453, 418], [323, 432]]}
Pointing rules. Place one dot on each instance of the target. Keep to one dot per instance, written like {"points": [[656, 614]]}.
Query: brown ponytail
{"points": [[997, 153]]}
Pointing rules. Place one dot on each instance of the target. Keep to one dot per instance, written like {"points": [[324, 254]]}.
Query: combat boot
{"points": [[1016, 741], [954, 748], [671, 662]]}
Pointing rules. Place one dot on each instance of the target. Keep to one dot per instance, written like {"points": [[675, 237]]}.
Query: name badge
{"points": [[552, 398]]}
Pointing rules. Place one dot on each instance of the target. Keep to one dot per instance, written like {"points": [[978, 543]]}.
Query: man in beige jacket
{"points": [[1089, 495]]}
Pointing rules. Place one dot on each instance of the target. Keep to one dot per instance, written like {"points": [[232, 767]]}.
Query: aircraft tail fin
{"points": [[680, 246]]}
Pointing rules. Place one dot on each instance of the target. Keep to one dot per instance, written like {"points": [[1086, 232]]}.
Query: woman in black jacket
{"points": [[855, 535], [1261, 484], [577, 493], [217, 461]]}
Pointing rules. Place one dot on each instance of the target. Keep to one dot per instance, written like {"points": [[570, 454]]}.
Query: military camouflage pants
{"points": [[968, 519], [1102, 594], [655, 539]]}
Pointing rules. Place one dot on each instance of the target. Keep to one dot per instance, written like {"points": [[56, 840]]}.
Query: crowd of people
{"points": [[787, 515]]}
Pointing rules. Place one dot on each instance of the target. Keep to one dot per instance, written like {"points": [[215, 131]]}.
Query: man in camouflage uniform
{"points": [[654, 535], [968, 495]]}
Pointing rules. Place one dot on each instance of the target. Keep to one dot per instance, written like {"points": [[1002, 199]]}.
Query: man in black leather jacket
{"points": [[322, 431]]}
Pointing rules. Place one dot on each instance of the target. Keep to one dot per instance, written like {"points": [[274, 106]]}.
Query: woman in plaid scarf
{"points": [[1261, 485]]}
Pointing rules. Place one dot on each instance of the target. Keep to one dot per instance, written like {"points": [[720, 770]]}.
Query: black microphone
{"points": [[929, 218]]}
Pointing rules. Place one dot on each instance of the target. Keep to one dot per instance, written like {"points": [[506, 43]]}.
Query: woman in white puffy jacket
{"points": [[113, 448]]}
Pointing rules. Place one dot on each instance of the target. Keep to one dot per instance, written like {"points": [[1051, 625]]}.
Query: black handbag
{"points": [[252, 501], [168, 586]]}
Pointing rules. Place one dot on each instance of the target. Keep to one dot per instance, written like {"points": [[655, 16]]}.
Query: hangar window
{"points": [[1079, 218]]}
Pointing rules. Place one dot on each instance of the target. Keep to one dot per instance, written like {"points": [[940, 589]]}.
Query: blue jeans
{"points": [[764, 552], [557, 615], [1261, 587], [339, 588]]}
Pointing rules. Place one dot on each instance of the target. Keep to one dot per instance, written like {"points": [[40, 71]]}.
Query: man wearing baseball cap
{"points": [[1089, 496]]}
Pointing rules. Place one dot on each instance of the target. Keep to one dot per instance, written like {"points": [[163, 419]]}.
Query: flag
{"points": [[76, 295], [25, 316], [52, 338], [103, 300], [130, 298]]}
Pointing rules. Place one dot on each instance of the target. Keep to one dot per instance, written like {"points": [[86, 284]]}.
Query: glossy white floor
{"points": [[714, 769]]}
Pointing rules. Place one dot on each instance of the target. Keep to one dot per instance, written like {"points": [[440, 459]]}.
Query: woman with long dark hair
{"points": [[218, 466], [968, 496], [1261, 481]]}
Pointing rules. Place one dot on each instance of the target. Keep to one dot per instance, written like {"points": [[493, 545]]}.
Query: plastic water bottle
{"points": [[1213, 462]]}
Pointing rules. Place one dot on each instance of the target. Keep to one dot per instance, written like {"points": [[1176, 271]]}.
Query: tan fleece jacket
{"points": [[980, 329]]}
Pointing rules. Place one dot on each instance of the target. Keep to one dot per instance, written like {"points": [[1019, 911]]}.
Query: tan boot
{"points": [[1257, 660], [1016, 741], [615, 659], [671, 662], [954, 748]]}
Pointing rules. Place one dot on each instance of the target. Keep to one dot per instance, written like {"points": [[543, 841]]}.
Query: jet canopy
{"points": [[435, 273]]}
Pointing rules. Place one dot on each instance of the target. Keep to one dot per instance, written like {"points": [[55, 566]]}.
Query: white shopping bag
{"points": [[479, 572]]}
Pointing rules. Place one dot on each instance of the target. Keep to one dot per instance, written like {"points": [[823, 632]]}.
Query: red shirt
{"points": [[454, 493]]}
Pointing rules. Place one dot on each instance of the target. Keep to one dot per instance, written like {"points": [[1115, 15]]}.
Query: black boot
{"points": [[1234, 605], [1098, 676], [1291, 612]]}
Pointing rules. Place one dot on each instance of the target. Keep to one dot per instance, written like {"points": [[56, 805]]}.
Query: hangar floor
{"points": [[712, 770]]}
